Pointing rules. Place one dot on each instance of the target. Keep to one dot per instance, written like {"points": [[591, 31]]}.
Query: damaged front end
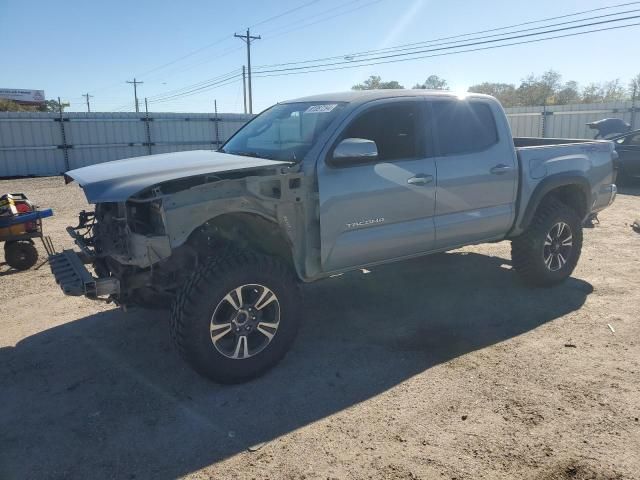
{"points": [[143, 248], [121, 241]]}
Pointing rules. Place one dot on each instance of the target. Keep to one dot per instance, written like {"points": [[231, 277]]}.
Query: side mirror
{"points": [[354, 150]]}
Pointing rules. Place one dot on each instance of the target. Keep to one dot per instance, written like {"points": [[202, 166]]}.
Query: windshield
{"points": [[284, 132]]}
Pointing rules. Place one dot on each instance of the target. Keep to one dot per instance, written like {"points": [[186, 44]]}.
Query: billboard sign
{"points": [[22, 96]]}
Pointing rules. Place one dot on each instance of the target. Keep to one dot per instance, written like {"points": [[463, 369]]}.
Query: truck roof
{"points": [[362, 96]]}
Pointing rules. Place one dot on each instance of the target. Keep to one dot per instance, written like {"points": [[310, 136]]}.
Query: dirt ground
{"points": [[443, 367]]}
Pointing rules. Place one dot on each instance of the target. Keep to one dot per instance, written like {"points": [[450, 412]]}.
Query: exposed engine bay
{"points": [[143, 249]]}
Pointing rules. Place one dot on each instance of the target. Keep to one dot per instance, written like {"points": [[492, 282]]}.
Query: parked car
{"points": [[628, 148], [315, 187], [609, 127]]}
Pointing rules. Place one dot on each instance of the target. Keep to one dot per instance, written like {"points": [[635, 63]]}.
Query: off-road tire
{"points": [[196, 302], [20, 254], [527, 250]]}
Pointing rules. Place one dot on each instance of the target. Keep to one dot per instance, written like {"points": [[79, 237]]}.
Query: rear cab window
{"points": [[463, 126]]}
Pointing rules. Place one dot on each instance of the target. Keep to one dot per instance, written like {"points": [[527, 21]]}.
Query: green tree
{"points": [[47, 106], [592, 93], [534, 90], [569, 93], [634, 87], [611, 91], [52, 106], [433, 82], [374, 82], [504, 92], [11, 106]]}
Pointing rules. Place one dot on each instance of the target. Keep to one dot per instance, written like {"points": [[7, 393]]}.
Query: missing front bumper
{"points": [[74, 279]]}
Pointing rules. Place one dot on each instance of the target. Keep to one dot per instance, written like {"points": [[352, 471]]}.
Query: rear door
{"points": [[477, 172], [383, 209]]}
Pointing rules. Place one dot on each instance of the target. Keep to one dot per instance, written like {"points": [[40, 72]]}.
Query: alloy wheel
{"points": [[557, 246], [245, 321]]}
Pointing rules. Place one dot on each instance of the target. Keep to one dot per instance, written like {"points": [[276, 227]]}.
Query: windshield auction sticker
{"points": [[321, 108]]}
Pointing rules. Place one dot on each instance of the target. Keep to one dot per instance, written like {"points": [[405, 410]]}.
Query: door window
{"points": [[392, 127], [463, 127]]}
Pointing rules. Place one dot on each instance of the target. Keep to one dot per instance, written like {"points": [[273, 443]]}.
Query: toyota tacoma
{"points": [[318, 186]]}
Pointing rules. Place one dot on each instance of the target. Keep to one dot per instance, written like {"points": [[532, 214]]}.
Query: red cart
{"points": [[20, 224]]}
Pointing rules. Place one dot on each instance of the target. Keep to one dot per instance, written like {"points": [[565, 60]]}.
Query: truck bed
{"points": [[541, 158], [521, 142]]}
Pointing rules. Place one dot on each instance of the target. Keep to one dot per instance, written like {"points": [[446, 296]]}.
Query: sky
{"points": [[72, 47]]}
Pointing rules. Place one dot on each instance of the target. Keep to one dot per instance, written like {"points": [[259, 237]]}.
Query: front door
{"points": [[383, 209]]}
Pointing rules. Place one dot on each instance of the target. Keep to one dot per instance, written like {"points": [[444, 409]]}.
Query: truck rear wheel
{"points": [[236, 316], [548, 251]]}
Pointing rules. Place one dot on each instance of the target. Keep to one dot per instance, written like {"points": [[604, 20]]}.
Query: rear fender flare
{"points": [[550, 184]]}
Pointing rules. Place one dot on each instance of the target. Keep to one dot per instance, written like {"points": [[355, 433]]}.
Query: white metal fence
{"points": [[568, 121], [50, 143]]}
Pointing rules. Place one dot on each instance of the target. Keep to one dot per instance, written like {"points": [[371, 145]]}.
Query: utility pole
{"points": [[247, 39], [146, 124], [215, 121], [633, 104], [87, 96], [135, 92], [65, 147], [244, 88]]}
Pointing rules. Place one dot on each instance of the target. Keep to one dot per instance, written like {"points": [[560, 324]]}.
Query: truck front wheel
{"points": [[548, 251], [236, 316]]}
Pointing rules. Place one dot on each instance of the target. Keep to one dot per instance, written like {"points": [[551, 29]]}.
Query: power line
{"points": [[320, 20], [315, 68], [225, 38], [190, 54], [462, 45], [195, 85], [416, 45], [459, 44], [122, 107], [229, 81], [198, 89], [232, 50], [275, 17], [182, 69], [412, 50], [567, 35]]}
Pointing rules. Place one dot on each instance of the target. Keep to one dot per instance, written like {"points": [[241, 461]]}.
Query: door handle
{"points": [[420, 179], [500, 169]]}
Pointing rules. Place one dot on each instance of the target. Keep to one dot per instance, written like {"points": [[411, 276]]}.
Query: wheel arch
{"points": [[245, 230], [571, 188]]}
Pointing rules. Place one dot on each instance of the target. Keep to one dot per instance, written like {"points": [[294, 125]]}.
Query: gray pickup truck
{"points": [[318, 186]]}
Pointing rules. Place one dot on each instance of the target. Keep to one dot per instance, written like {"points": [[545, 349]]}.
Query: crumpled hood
{"points": [[116, 181]]}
